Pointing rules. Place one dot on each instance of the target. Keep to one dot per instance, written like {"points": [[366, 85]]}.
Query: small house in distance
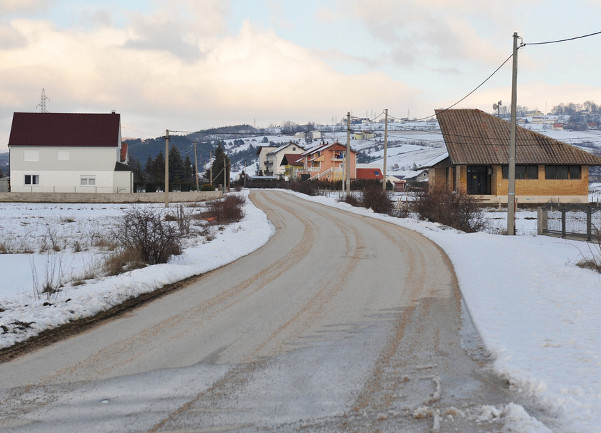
{"points": [[270, 158], [326, 162], [478, 158], [68, 152]]}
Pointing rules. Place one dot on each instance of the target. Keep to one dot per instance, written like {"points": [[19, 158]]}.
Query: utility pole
{"points": [[385, 148], [167, 168], [347, 164], [511, 177], [211, 166], [196, 165], [224, 175]]}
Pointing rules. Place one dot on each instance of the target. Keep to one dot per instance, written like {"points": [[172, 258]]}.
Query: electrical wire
{"points": [[562, 40]]}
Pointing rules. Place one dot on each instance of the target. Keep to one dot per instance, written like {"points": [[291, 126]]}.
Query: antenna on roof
{"points": [[42, 103]]}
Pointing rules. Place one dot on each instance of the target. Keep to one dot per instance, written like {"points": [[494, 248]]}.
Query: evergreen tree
{"points": [[158, 171], [218, 166], [176, 167], [189, 171]]}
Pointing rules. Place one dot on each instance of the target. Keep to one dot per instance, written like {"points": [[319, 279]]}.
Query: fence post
{"points": [[589, 224], [542, 221], [563, 222]]}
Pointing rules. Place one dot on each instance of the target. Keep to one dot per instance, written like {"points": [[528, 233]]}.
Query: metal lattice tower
{"points": [[43, 100]]}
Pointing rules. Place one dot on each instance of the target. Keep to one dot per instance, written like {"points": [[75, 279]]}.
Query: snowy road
{"points": [[339, 323]]}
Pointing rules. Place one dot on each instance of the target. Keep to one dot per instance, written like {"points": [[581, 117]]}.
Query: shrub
{"points": [[143, 231], [304, 187], [207, 187], [123, 261], [454, 209], [376, 199], [351, 199], [228, 210]]}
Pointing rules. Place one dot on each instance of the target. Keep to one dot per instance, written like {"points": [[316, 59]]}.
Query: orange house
{"points": [[327, 162]]}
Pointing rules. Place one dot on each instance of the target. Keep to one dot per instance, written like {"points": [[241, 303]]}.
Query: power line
{"points": [[562, 40]]}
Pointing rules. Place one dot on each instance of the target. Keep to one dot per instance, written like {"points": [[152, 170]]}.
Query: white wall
{"points": [[61, 169]]}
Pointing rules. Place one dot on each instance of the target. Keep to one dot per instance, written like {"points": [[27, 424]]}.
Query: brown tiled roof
{"points": [[478, 138], [292, 159], [64, 129]]}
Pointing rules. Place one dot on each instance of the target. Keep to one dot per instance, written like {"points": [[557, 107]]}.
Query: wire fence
{"points": [[570, 220]]}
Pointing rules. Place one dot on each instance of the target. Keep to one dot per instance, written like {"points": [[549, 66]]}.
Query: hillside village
{"points": [[412, 146]]}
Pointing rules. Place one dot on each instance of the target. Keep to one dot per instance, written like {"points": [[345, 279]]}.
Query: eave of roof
{"points": [[65, 129], [474, 137]]}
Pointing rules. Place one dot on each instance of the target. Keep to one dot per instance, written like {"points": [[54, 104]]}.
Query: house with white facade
{"points": [[68, 152], [270, 158]]}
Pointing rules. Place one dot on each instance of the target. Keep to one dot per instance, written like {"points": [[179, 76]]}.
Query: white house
{"points": [[68, 152], [270, 158]]}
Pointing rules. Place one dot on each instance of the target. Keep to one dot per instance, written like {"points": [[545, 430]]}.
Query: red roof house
{"points": [[68, 152]]}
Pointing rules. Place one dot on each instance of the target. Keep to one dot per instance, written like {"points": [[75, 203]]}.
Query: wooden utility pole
{"points": [[511, 177], [347, 164], [385, 149], [211, 167], [167, 168], [196, 165], [224, 175]]}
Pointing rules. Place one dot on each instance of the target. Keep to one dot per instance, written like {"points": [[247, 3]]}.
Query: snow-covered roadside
{"points": [[537, 312], [23, 316]]}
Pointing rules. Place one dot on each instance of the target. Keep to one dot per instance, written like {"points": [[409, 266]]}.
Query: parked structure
{"points": [[478, 157], [270, 158], [369, 173], [326, 162], [68, 152]]}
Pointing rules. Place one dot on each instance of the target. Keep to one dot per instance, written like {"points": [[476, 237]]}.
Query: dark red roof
{"points": [[369, 173], [292, 159], [65, 129]]}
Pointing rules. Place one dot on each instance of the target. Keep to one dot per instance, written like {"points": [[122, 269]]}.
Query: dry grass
{"points": [[123, 261], [226, 211]]}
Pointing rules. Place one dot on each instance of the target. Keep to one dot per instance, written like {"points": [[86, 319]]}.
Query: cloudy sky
{"points": [[192, 64]]}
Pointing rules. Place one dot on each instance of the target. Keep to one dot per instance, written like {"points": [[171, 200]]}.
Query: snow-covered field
{"points": [[537, 312]]}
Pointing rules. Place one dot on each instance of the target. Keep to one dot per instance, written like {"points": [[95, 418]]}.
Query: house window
{"points": [[88, 181], [32, 179], [563, 172], [522, 172], [31, 156], [63, 155]]}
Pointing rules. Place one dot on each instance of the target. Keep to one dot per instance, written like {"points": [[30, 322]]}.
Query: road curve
{"points": [[339, 323]]}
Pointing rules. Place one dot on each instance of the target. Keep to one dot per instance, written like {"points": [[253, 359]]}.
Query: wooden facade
{"points": [[478, 157]]}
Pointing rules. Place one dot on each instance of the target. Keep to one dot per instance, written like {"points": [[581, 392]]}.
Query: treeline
{"points": [[588, 107], [151, 176]]}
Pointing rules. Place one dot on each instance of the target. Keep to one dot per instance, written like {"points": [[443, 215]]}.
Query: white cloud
{"points": [[254, 74], [10, 6]]}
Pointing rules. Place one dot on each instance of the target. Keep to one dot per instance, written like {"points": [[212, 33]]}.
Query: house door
{"points": [[478, 179]]}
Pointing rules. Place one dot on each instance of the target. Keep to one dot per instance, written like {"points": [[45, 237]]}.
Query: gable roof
{"points": [[284, 146], [65, 129], [325, 146], [477, 138], [292, 159]]}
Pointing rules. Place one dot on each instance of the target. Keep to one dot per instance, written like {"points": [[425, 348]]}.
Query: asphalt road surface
{"points": [[340, 323]]}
